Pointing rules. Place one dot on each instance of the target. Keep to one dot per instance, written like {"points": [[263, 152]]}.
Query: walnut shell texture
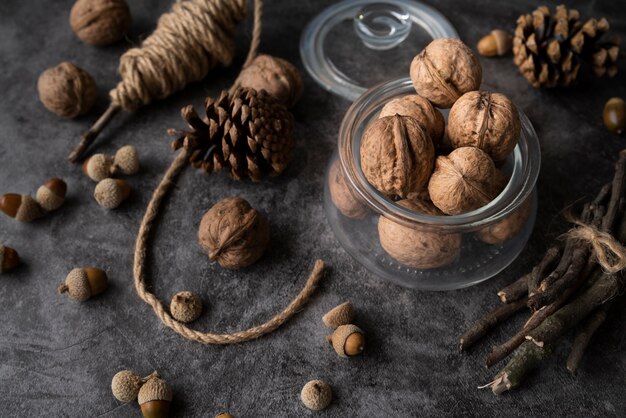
{"points": [[341, 195], [464, 180], [67, 90], [422, 110], [276, 76], [417, 248], [396, 155], [507, 228], [100, 22], [489, 121], [234, 233], [445, 70]]}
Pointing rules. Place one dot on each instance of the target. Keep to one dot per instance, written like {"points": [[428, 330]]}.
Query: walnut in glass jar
{"points": [[507, 228], [422, 110], [344, 199]]}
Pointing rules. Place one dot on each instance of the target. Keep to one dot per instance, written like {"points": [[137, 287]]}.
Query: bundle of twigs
{"points": [[574, 285]]}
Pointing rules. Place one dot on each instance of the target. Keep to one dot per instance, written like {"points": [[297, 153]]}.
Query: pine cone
{"points": [[247, 131], [549, 49]]}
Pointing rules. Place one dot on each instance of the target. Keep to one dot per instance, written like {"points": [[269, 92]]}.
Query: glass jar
{"points": [[486, 240]]}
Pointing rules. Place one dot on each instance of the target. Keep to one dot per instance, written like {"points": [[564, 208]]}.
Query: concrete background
{"points": [[57, 356]]}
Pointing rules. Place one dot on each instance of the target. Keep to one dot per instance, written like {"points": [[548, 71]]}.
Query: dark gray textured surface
{"points": [[57, 356]]}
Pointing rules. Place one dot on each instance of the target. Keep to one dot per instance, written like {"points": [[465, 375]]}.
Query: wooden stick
{"points": [[93, 132], [583, 337], [516, 290]]}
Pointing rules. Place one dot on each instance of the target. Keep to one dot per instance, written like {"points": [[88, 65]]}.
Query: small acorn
{"points": [[98, 167], [347, 340], [51, 194], [125, 385], [9, 259], [316, 395], [186, 306], [110, 193], [126, 161], [339, 315], [155, 397], [496, 43], [81, 284], [614, 115], [21, 207], [224, 415]]}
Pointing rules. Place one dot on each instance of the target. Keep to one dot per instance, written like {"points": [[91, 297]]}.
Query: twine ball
{"points": [[233, 233], [125, 385], [126, 160], [316, 395], [100, 22], [110, 193], [276, 76], [67, 90], [186, 306]]}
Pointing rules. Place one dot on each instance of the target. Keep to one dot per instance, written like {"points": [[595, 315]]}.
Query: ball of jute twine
{"points": [[147, 225]]}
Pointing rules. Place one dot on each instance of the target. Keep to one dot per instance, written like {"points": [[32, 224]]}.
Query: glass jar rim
{"points": [[527, 162]]}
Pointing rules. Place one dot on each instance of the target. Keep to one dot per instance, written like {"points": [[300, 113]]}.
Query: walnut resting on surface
{"points": [[396, 155], [445, 70], [343, 199], [507, 228], [489, 121], [422, 110], [276, 76], [100, 22], [233, 233], [464, 180], [417, 248], [67, 90]]}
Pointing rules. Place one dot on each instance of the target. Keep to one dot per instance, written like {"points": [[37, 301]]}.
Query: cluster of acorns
{"points": [[408, 154], [111, 192], [153, 394], [23, 208]]}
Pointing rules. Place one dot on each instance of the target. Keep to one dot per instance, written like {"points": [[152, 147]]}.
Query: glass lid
{"points": [[355, 44]]}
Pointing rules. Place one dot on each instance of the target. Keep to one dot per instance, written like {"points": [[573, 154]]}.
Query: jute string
{"points": [[152, 212], [610, 254]]}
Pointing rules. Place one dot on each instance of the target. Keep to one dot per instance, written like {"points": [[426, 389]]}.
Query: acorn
{"points": [[125, 385], [347, 340], [126, 161], [21, 207], [614, 115], [186, 307], [98, 167], [51, 194], [9, 259], [110, 193], [155, 397], [81, 284], [316, 395], [496, 43], [224, 415], [339, 315]]}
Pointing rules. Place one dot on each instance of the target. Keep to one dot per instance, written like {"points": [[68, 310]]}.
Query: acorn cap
{"points": [[340, 315], [51, 194], [98, 167], [125, 385], [126, 161], [155, 389], [110, 193], [186, 306], [348, 340], [9, 259], [76, 285], [316, 395]]}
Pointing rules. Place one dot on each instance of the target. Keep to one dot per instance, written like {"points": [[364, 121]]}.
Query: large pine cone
{"points": [[549, 49], [247, 131]]}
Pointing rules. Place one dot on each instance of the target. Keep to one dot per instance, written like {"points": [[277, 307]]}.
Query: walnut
{"points": [[67, 90], [464, 180], [422, 110], [349, 205], [507, 228], [100, 22], [488, 121], [396, 155], [417, 248], [276, 76], [444, 70], [233, 233]]}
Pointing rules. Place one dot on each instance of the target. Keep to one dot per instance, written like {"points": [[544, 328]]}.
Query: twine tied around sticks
{"points": [[147, 224], [610, 254]]}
